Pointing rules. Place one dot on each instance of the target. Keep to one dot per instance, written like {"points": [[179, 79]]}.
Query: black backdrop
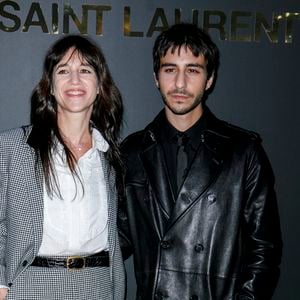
{"points": [[257, 87]]}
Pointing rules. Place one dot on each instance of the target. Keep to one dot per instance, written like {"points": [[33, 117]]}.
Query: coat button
{"points": [[9, 284], [198, 248], [165, 244], [159, 296], [194, 297], [211, 198]]}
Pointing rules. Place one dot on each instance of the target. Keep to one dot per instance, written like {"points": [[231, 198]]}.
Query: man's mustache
{"points": [[180, 92]]}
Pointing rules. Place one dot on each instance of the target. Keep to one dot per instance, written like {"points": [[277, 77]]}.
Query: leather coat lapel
{"points": [[155, 167], [203, 172]]}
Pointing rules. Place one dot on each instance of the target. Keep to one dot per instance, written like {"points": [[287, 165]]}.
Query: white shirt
{"points": [[77, 223]]}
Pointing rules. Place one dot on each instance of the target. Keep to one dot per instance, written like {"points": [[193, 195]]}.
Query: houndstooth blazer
{"points": [[21, 210]]}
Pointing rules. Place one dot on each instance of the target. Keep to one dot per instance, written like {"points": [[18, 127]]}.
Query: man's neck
{"points": [[183, 122]]}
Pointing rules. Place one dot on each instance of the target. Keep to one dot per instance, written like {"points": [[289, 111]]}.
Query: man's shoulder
{"points": [[232, 131], [133, 141], [229, 131]]}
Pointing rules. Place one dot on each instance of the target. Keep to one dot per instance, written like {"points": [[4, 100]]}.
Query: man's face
{"points": [[182, 81]]}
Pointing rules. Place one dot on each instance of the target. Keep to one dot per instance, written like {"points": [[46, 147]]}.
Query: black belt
{"points": [[100, 259]]}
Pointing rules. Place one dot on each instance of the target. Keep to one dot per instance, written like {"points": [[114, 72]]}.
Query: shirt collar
{"points": [[98, 141], [167, 132]]}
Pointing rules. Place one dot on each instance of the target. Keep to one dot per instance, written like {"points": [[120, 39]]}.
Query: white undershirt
{"points": [[77, 223]]}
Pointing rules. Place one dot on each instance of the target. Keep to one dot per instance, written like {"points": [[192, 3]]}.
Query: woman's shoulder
{"points": [[15, 135]]}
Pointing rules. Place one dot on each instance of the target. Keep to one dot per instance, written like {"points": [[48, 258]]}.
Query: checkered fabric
{"points": [[21, 225], [37, 283]]}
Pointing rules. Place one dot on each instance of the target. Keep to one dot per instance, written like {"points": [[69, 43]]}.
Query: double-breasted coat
{"points": [[222, 239]]}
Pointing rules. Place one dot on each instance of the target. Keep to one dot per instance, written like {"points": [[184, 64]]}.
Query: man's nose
{"points": [[180, 80]]}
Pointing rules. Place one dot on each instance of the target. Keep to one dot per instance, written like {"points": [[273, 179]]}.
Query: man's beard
{"points": [[183, 110]]}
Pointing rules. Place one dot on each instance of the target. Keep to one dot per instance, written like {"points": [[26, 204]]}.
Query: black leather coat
{"points": [[222, 240]]}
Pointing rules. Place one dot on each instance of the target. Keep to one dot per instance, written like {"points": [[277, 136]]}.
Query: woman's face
{"points": [[75, 85]]}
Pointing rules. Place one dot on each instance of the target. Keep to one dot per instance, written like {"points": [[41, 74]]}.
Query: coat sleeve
{"points": [[123, 219], [124, 230], [261, 230]]}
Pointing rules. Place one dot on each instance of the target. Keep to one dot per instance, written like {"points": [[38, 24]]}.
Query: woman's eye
{"points": [[85, 71], [62, 71]]}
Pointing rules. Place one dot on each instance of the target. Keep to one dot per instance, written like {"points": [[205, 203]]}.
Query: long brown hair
{"points": [[106, 115]]}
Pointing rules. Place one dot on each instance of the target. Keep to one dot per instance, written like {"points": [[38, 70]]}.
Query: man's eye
{"points": [[193, 71], [169, 70]]}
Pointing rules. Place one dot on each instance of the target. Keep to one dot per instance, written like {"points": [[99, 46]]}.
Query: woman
{"points": [[58, 237]]}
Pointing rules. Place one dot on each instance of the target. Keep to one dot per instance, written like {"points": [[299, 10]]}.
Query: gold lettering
{"points": [[99, 9], [290, 17], [7, 15], [55, 29], [261, 22], [235, 25], [177, 14], [207, 23], [159, 15], [35, 8], [195, 16], [127, 24], [81, 26]]}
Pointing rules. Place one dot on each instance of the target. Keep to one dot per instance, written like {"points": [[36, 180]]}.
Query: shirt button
{"points": [[198, 248], [165, 244]]}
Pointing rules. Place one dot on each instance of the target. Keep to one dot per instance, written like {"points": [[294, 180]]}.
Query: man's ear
{"points": [[156, 80], [210, 81]]}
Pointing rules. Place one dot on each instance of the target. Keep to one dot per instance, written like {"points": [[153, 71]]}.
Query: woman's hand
{"points": [[3, 293]]}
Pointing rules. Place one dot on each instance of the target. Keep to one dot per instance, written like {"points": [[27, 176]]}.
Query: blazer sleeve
{"points": [[261, 230], [3, 229]]}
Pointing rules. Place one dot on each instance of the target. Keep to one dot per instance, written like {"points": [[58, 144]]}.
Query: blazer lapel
{"points": [[33, 177]]}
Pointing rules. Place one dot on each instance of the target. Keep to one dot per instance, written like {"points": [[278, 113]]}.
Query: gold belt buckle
{"points": [[75, 262]]}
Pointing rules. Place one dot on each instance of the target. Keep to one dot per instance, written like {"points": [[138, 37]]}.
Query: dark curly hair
{"points": [[188, 36]]}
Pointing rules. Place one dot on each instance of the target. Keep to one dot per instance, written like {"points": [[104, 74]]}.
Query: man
{"points": [[200, 213]]}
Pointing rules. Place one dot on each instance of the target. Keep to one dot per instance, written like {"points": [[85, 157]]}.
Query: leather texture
{"points": [[222, 240]]}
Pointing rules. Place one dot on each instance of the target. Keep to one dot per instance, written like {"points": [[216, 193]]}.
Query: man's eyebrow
{"points": [[168, 65], [194, 65]]}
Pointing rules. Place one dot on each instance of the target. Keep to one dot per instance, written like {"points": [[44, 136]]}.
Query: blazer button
{"points": [[199, 248], [165, 244], [10, 284], [25, 262]]}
